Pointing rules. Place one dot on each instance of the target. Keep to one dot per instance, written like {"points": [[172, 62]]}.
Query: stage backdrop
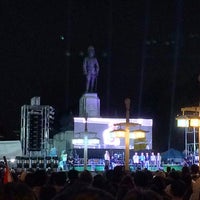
{"points": [[102, 128]]}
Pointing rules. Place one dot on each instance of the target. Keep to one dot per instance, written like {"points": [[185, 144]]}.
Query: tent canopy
{"points": [[10, 149], [172, 154]]}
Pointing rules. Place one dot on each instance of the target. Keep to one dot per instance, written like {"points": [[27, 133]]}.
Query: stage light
{"points": [[138, 134], [55, 163], [80, 141], [33, 161], [134, 134], [26, 162], [190, 118], [93, 141], [119, 133], [67, 53], [182, 121], [51, 113], [48, 162], [195, 121], [94, 120], [62, 37], [19, 161], [12, 160], [41, 162]]}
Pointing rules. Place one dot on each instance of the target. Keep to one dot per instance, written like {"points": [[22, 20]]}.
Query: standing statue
{"points": [[91, 70]]}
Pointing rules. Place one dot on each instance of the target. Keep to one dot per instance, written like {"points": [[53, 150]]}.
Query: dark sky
{"points": [[148, 51]]}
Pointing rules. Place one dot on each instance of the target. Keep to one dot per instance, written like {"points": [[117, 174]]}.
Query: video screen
{"points": [[104, 130]]}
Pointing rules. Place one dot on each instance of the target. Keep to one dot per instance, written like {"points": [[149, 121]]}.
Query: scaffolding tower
{"points": [[36, 124], [192, 133]]}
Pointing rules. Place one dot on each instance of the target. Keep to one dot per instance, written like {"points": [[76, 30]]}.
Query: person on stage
{"points": [[158, 160], [70, 161], [64, 159], [135, 160], [53, 152], [147, 158], [152, 160], [142, 160], [107, 160]]}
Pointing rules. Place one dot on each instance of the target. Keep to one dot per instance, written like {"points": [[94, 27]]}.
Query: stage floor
{"points": [[100, 168]]}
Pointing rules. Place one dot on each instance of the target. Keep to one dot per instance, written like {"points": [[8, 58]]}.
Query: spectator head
{"points": [[86, 177], [58, 178], [73, 175], [194, 169], [176, 189]]}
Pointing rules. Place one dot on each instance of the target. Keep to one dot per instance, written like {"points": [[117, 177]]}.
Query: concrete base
{"points": [[89, 104]]}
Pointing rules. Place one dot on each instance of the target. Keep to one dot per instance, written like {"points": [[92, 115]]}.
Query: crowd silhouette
{"points": [[112, 184]]}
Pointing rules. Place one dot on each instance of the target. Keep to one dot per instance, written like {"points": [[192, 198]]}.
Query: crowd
{"points": [[112, 184]]}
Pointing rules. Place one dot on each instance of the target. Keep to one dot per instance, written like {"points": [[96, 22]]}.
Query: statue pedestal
{"points": [[89, 103]]}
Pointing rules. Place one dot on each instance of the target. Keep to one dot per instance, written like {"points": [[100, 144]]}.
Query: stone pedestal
{"points": [[89, 103]]}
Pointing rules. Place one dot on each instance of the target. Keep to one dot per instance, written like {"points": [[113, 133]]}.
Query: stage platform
{"points": [[100, 168]]}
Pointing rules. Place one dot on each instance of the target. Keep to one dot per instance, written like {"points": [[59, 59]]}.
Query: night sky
{"points": [[148, 51]]}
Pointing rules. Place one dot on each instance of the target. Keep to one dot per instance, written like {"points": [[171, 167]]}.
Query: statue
{"points": [[91, 70]]}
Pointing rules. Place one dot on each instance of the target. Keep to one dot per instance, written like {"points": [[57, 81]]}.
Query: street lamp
{"points": [[125, 133], [136, 134], [86, 141], [190, 118]]}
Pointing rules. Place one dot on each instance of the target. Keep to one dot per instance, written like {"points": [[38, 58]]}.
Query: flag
{"points": [[7, 174]]}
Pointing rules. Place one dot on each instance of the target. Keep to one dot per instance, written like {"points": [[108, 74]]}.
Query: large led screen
{"points": [[103, 129]]}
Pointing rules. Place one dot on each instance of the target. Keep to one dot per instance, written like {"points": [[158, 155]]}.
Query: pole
{"points": [[186, 152], [85, 156], [199, 141], [199, 131], [85, 150], [199, 134], [127, 104], [194, 154]]}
